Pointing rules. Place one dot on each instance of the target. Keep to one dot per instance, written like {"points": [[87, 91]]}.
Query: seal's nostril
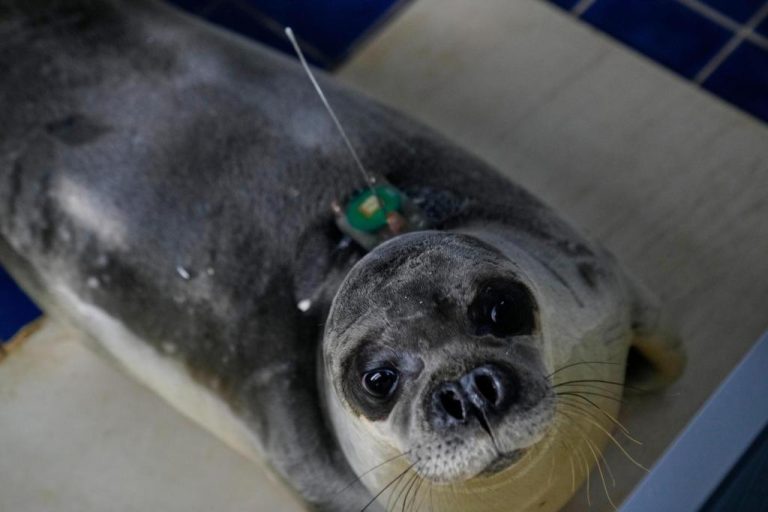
{"points": [[488, 388], [452, 404]]}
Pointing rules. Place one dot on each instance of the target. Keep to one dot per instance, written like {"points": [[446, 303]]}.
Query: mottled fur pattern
{"points": [[177, 178]]}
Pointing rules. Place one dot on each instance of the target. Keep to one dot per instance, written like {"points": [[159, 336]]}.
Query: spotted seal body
{"points": [[166, 186]]}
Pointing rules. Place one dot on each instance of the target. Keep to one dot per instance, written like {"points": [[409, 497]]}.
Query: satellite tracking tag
{"points": [[374, 215], [377, 213]]}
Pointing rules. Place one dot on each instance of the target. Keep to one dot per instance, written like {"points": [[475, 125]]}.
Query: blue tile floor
{"points": [[739, 10], [762, 28], [720, 45], [663, 30], [742, 79], [16, 310]]}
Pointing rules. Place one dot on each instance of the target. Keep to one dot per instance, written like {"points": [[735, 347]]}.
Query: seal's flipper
{"points": [[656, 355]]}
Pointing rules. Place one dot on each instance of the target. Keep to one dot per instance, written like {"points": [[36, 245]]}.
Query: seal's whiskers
{"points": [[551, 470], [581, 459], [571, 365], [404, 483], [613, 439], [427, 486], [600, 471], [573, 474], [392, 482], [587, 471], [573, 468], [616, 422], [592, 393], [561, 437], [587, 381], [407, 490], [411, 504], [374, 468], [595, 451]]}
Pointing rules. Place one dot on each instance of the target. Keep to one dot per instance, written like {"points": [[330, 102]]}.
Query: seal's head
{"points": [[440, 351], [436, 340]]}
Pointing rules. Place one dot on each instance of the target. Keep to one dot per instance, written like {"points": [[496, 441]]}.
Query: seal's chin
{"points": [[502, 462]]}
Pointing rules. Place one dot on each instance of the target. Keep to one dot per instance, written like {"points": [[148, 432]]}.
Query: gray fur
{"points": [[410, 297], [179, 178]]}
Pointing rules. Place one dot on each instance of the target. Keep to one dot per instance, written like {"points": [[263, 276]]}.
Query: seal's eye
{"points": [[504, 309], [380, 383]]}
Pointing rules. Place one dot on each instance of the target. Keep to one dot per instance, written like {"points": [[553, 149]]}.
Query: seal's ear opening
{"points": [[656, 356]]}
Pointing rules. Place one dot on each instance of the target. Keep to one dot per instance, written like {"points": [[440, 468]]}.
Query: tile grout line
{"points": [[758, 40], [724, 21], [715, 62], [711, 14], [581, 7], [698, 7], [743, 33]]}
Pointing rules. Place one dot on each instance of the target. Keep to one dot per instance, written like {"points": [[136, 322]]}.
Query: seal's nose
{"points": [[483, 392], [450, 404], [484, 387]]}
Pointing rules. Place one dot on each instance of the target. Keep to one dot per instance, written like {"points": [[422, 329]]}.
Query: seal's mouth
{"points": [[502, 462]]}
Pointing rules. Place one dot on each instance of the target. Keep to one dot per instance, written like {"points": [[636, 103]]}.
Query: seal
{"points": [[165, 185]]}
